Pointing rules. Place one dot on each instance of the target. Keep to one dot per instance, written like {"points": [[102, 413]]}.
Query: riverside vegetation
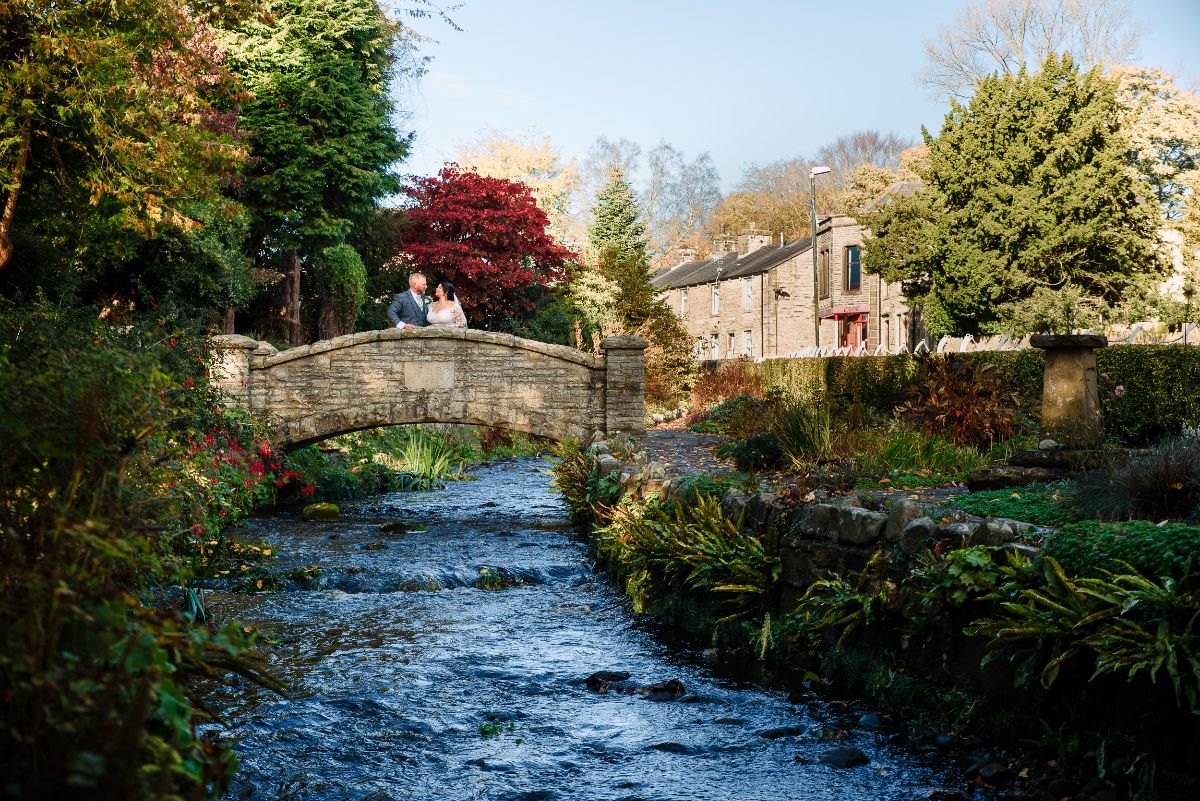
{"points": [[1074, 647], [123, 477]]}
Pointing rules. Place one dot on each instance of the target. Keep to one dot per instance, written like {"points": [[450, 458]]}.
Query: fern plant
{"points": [[1125, 622], [697, 546]]}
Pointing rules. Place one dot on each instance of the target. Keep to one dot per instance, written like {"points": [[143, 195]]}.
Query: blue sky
{"points": [[750, 81]]}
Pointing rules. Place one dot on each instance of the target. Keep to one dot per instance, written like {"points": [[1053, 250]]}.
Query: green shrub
{"points": [[572, 468], [116, 455], [1111, 622], [757, 452], [961, 575], [694, 546], [1089, 546], [1021, 371], [878, 382], [1159, 385], [804, 430], [729, 416], [1040, 504], [1157, 395], [841, 606]]}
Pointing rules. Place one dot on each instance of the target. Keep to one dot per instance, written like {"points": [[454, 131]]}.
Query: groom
{"points": [[409, 308]]}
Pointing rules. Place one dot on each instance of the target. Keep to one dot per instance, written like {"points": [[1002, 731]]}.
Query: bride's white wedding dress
{"points": [[452, 317]]}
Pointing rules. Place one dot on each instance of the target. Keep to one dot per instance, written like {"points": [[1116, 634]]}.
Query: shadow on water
{"points": [[414, 683]]}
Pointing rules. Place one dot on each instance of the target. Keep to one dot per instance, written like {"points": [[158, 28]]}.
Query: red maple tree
{"points": [[487, 237]]}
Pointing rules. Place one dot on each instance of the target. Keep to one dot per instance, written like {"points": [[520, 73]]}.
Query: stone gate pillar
{"points": [[1070, 399], [624, 385], [231, 368]]}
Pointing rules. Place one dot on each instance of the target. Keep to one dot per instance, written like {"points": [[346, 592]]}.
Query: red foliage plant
{"points": [[728, 379], [964, 401], [486, 236]]}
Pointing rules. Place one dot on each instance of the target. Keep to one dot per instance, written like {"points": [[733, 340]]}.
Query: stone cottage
{"points": [[754, 296]]}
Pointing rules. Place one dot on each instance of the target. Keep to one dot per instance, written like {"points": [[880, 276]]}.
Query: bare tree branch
{"points": [[1004, 36]]}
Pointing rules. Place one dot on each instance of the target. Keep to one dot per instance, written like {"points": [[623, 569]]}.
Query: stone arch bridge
{"points": [[435, 375]]}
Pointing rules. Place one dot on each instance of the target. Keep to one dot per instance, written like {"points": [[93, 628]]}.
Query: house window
{"points": [[853, 278], [716, 299], [747, 295], [714, 348], [747, 344], [683, 303], [732, 345], [824, 275], [886, 339], [700, 348]]}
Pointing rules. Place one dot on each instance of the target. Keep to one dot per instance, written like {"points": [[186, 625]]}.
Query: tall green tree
{"points": [[617, 236], [114, 129], [618, 224], [324, 146], [1026, 187]]}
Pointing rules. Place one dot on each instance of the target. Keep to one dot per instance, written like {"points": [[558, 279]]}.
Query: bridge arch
{"points": [[435, 375]]}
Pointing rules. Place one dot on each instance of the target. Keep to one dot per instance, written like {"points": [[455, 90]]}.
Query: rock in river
{"points": [[843, 757], [327, 512]]}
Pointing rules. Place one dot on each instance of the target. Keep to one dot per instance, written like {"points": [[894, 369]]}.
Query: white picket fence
{"points": [[1189, 335]]}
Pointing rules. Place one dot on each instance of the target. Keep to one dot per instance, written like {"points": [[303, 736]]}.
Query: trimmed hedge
{"points": [[1159, 390], [879, 382], [1146, 391]]}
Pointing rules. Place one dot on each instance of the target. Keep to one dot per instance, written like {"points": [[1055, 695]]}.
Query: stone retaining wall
{"points": [[836, 537]]}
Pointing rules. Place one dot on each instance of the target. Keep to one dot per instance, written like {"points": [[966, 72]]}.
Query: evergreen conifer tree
{"points": [[618, 239], [1026, 187], [617, 220]]}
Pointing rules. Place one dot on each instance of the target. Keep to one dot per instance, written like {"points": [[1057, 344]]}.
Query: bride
{"points": [[445, 310]]}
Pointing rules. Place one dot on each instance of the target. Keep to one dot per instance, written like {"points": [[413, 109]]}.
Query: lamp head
{"points": [[821, 170]]}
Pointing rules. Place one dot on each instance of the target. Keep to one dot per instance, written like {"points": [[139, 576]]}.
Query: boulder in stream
{"points": [[611, 681], [325, 512]]}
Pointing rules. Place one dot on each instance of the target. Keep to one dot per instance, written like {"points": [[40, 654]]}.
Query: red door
{"points": [[852, 330]]}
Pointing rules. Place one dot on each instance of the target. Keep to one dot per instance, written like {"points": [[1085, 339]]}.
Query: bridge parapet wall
{"points": [[440, 375]]}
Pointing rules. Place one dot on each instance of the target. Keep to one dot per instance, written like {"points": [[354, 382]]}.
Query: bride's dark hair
{"points": [[448, 288]]}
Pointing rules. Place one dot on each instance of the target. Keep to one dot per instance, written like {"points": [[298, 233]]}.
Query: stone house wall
{"points": [[764, 308]]}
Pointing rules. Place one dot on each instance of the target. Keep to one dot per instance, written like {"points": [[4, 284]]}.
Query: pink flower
{"points": [[1104, 376], [1119, 390]]}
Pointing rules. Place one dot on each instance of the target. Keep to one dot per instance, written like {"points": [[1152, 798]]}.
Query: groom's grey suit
{"points": [[406, 309]]}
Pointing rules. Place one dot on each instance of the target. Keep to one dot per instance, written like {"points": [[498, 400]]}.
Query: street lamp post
{"points": [[812, 205]]}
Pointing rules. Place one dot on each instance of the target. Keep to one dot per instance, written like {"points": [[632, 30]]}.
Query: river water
{"points": [[412, 683]]}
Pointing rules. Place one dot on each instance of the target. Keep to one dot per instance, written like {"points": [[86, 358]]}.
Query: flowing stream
{"points": [[413, 683]]}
